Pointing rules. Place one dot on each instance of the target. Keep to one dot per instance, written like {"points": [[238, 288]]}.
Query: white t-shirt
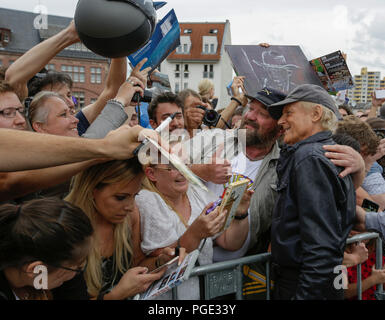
{"points": [[161, 226], [240, 165]]}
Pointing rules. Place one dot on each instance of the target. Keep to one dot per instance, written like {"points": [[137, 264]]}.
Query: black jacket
{"points": [[313, 216]]}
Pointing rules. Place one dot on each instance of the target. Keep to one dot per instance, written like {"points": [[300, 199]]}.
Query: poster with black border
{"points": [[277, 67]]}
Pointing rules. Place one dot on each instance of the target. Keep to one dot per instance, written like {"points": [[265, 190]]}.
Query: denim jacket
{"points": [[313, 216]]}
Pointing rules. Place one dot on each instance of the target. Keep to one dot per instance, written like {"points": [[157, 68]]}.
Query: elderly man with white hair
{"points": [[315, 209]]}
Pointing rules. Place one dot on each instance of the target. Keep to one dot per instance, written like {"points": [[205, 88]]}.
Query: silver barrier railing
{"points": [[368, 236], [224, 278]]}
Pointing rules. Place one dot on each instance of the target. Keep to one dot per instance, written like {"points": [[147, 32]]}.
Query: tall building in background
{"points": [[201, 55], [364, 85], [87, 70]]}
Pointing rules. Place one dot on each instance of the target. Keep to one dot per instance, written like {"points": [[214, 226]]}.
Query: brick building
{"points": [[87, 70]]}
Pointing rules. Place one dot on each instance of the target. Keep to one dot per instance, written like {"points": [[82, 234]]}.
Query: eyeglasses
{"points": [[77, 271], [11, 112], [171, 168]]}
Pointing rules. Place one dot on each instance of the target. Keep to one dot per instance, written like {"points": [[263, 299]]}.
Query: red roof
{"points": [[198, 30]]}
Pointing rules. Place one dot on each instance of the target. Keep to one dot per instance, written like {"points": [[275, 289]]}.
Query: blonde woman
{"points": [[106, 194], [180, 218], [206, 90]]}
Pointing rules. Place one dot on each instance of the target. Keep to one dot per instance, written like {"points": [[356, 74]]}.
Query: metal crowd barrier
{"points": [[368, 236], [224, 278]]}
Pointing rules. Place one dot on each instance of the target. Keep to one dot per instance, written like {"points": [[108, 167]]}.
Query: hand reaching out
{"points": [[377, 102], [141, 74]]}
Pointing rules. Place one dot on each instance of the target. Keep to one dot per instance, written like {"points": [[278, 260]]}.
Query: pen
{"points": [[159, 129]]}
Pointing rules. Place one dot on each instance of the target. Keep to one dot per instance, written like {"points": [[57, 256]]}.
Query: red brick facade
{"points": [[90, 90]]}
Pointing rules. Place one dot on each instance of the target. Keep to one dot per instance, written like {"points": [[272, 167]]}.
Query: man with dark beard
{"points": [[258, 164]]}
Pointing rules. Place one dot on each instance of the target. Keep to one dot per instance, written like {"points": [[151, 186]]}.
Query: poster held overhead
{"points": [[277, 67], [333, 72]]}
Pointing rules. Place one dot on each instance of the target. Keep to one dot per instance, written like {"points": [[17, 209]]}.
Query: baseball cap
{"points": [[268, 96], [308, 93]]}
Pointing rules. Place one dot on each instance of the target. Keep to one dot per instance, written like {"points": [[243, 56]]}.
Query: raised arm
{"points": [[376, 104], [17, 184], [20, 150], [116, 76], [35, 59], [239, 96]]}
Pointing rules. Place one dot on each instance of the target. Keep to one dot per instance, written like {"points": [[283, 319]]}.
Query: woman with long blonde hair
{"points": [[106, 193]]}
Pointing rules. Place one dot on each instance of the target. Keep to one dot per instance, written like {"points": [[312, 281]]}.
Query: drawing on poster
{"points": [[277, 67]]}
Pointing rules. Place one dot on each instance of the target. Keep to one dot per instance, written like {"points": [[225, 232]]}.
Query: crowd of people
{"points": [[76, 200]]}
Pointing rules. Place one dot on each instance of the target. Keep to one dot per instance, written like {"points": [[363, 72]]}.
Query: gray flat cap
{"points": [[308, 93]]}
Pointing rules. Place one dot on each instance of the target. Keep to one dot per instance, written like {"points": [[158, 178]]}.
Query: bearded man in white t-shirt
{"points": [[258, 164]]}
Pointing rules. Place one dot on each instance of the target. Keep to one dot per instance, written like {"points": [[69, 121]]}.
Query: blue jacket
{"points": [[313, 216]]}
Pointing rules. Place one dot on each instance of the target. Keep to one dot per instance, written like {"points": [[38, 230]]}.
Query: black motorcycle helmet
{"points": [[115, 28]]}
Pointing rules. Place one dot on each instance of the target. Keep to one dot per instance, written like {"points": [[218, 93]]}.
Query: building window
{"points": [[185, 86], [185, 48], [186, 72], [96, 75], [5, 37], [76, 73], [176, 88], [179, 49], [177, 71], [50, 66], [93, 100], [80, 98], [208, 71], [212, 47]]}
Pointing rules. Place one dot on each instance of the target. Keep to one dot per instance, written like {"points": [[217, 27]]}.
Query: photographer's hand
{"points": [[128, 89], [193, 118]]}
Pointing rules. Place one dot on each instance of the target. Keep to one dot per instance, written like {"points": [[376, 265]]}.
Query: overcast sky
{"points": [[356, 27]]}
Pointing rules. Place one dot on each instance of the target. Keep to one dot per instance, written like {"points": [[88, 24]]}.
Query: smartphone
{"points": [[380, 94], [166, 265], [370, 206]]}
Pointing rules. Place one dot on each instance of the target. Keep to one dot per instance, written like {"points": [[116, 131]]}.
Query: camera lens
{"points": [[211, 115]]}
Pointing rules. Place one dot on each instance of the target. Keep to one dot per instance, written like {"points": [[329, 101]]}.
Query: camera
{"points": [[211, 117], [146, 98]]}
